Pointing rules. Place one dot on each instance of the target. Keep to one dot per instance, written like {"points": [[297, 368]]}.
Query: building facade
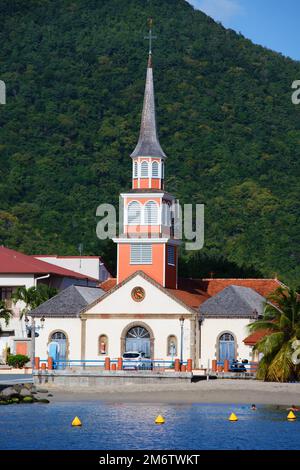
{"points": [[147, 307]]}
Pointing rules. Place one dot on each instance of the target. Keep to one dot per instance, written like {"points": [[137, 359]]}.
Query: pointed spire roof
{"points": [[148, 144]]}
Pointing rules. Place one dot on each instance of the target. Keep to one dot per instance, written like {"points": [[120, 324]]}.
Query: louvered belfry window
{"points": [[151, 213], [134, 213], [154, 170], [144, 170], [141, 253]]}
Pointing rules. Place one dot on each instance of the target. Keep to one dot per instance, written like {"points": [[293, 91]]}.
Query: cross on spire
{"points": [[150, 35]]}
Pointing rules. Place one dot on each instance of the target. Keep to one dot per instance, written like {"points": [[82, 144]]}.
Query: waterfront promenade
{"points": [[212, 391]]}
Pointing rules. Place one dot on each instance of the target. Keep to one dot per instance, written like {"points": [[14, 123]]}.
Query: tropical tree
{"points": [[281, 323], [5, 313], [33, 296]]}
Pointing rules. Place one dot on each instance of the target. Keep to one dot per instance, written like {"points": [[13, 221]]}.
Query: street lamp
{"points": [[33, 329], [181, 322]]}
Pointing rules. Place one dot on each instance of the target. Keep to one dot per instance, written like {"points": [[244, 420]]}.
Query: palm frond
{"points": [[263, 325], [282, 368]]}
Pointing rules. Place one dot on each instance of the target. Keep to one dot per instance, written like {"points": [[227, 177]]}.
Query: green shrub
{"points": [[27, 400], [18, 361]]}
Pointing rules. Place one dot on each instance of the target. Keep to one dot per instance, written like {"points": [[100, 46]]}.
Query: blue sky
{"points": [[271, 23]]}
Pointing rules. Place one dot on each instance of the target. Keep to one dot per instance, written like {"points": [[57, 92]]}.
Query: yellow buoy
{"points": [[233, 417], [291, 416], [160, 419], [76, 421]]}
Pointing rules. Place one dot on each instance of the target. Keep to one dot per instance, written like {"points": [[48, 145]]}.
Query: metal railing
{"points": [[144, 364], [238, 367]]}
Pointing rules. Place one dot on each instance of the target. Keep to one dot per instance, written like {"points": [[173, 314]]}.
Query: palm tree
{"points": [[33, 296], [281, 322], [5, 313]]}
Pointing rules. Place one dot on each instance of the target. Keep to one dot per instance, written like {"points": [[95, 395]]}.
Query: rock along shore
{"points": [[22, 393]]}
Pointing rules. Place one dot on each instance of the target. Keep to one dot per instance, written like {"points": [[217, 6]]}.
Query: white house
{"points": [[20, 270], [92, 266]]}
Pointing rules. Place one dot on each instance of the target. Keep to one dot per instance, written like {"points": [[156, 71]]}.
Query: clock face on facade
{"points": [[138, 294]]}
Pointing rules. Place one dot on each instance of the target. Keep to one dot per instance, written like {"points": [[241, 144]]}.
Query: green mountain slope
{"points": [[75, 74]]}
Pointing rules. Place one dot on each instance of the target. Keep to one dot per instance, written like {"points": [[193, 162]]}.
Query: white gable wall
{"points": [[92, 267], [211, 328], [155, 302], [70, 326]]}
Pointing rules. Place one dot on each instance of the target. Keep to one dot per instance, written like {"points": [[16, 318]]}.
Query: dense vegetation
{"points": [[75, 71]]}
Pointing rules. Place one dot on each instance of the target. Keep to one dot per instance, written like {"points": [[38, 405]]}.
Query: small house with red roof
{"points": [[20, 270]]}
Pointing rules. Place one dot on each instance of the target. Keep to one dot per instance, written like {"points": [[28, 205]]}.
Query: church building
{"points": [[148, 307]]}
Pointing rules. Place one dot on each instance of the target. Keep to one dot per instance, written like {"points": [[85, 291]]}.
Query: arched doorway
{"points": [[138, 339], [226, 347], [57, 348]]}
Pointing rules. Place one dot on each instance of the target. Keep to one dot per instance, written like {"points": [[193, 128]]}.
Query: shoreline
{"points": [[213, 391]]}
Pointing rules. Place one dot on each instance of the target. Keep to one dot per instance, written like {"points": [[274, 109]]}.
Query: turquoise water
{"points": [[131, 426]]}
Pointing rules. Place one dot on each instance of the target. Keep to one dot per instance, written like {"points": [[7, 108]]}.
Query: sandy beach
{"points": [[213, 391]]}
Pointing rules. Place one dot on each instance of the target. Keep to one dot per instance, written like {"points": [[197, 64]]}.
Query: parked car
{"points": [[134, 360], [237, 367]]}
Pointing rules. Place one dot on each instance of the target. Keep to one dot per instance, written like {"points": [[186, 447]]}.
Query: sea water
{"points": [[131, 426]]}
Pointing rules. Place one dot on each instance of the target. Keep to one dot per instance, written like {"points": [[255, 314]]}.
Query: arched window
{"points": [[135, 169], [103, 345], [154, 170], [144, 169], [134, 213], [172, 346], [227, 347], [151, 213], [138, 339]]}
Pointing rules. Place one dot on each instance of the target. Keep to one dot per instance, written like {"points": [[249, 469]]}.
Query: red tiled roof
{"points": [[14, 262], [262, 286], [193, 292], [252, 339], [108, 284], [190, 292]]}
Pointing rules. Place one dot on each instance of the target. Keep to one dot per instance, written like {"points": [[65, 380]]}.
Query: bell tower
{"points": [[147, 241]]}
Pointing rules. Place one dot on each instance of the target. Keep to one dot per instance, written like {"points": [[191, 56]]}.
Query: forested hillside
{"points": [[75, 71]]}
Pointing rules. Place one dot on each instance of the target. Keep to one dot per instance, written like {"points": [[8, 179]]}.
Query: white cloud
{"points": [[220, 10]]}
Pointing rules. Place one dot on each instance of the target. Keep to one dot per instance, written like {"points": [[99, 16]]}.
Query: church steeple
{"points": [[148, 144], [147, 240]]}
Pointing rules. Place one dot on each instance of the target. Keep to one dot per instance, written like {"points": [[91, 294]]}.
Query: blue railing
{"points": [[146, 364], [240, 367]]}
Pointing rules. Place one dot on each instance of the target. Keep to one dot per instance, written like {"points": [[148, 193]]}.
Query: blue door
{"points": [[138, 339], [226, 347], [61, 355]]}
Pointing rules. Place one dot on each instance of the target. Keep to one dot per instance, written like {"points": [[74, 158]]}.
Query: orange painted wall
{"points": [[154, 270], [22, 348]]}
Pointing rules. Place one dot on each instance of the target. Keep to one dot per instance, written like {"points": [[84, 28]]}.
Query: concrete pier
{"points": [[67, 378]]}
